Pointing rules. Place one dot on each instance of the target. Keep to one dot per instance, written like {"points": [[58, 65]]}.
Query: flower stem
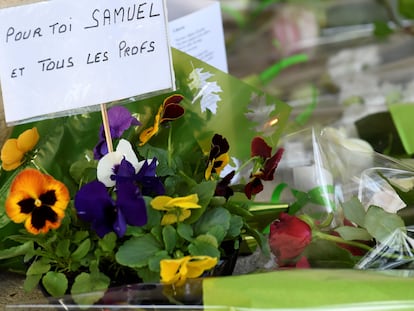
{"points": [[189, 180], [337, 239], [245, 164], [170, 151]]}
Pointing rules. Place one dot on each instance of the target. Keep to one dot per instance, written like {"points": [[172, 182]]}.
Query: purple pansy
{"points": [[94, 204], [120, 119], [146, 177]]}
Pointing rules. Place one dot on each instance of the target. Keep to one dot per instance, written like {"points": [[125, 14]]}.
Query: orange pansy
{"points": [[38, 200]]}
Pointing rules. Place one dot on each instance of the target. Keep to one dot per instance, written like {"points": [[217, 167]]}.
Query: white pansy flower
{"points": [[108, 163]]}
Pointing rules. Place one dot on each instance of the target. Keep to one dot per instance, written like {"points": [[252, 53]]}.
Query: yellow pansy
{"points": [[146, 134], [218, 157], [177, 271], [14, 149], [177, 209], [38, 200]]}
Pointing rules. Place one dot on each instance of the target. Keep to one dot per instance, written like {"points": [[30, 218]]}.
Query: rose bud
{"points": [[289, 236]]}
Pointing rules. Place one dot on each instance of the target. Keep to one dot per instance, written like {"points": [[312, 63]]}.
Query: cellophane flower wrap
{"points": [[177, 185], [360, 219]]}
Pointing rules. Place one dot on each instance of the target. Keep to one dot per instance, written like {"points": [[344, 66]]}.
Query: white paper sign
{"points": [[67, 54], [196, 28]]}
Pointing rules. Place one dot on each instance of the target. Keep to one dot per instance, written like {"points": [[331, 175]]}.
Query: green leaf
{"points": [[31, 282], [55, 283], [40, 266], [352, 233], [62, 248], [211, 219], [406, 8], [94, 284], [204, 245], [218, 232], [236, 224], [154, 216], [79, 236], [169, 236], [354, 211], [84, 170], [137, 251], [82, 250], [154, 262], [185, 231], [18, 250], [381, 224], [148, 276], [108, 242], [381, 29], [205, 192], [379, 130], [326, 254]]}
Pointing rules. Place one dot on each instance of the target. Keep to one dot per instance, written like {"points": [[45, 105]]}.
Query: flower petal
{"points": [[120, 119], [125, 148], [28, 140], [38, 200], [11, 156], [260, 148], [198, 264], [160, 202], [146, 134], [106, 167], [169, 269], [271, 165], [131, 203], [94, 204], [189, 201]]}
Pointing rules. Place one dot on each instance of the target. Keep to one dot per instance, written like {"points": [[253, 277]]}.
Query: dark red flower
{"points": [[289, 236], [223, 189], [259, 148]]}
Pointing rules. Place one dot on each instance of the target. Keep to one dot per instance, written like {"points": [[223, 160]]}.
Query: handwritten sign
{"points": [[62, 55]]}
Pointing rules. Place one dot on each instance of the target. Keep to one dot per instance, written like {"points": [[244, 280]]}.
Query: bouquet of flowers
{"points": [[353, 213], [154, 199]]}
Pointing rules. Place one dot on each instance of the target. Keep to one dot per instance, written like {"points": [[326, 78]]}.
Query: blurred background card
{"points": [[196, 28]]}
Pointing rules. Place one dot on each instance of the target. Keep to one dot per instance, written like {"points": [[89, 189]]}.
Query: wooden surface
{"points": [[11, 291]]}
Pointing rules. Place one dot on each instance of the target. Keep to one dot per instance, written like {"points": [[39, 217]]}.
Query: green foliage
{"points": [[327, 254], [406, 8], [382, 30], [381, 224]]}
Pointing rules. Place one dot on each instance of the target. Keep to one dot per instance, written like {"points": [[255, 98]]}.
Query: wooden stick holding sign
{"points": [[107, 129]]}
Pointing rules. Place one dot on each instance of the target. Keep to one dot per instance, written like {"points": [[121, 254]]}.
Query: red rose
{"points": [[289, 236]]}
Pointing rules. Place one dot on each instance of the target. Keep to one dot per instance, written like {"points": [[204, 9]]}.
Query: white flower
{"points": [[111, 160]]}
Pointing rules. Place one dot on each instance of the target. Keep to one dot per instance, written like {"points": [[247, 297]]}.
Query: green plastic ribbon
{"points": [[319, 195], [317, 288]]}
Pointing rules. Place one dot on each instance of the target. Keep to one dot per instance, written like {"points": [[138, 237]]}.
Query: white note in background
{"points": [[63, 55], [196, 28]]}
